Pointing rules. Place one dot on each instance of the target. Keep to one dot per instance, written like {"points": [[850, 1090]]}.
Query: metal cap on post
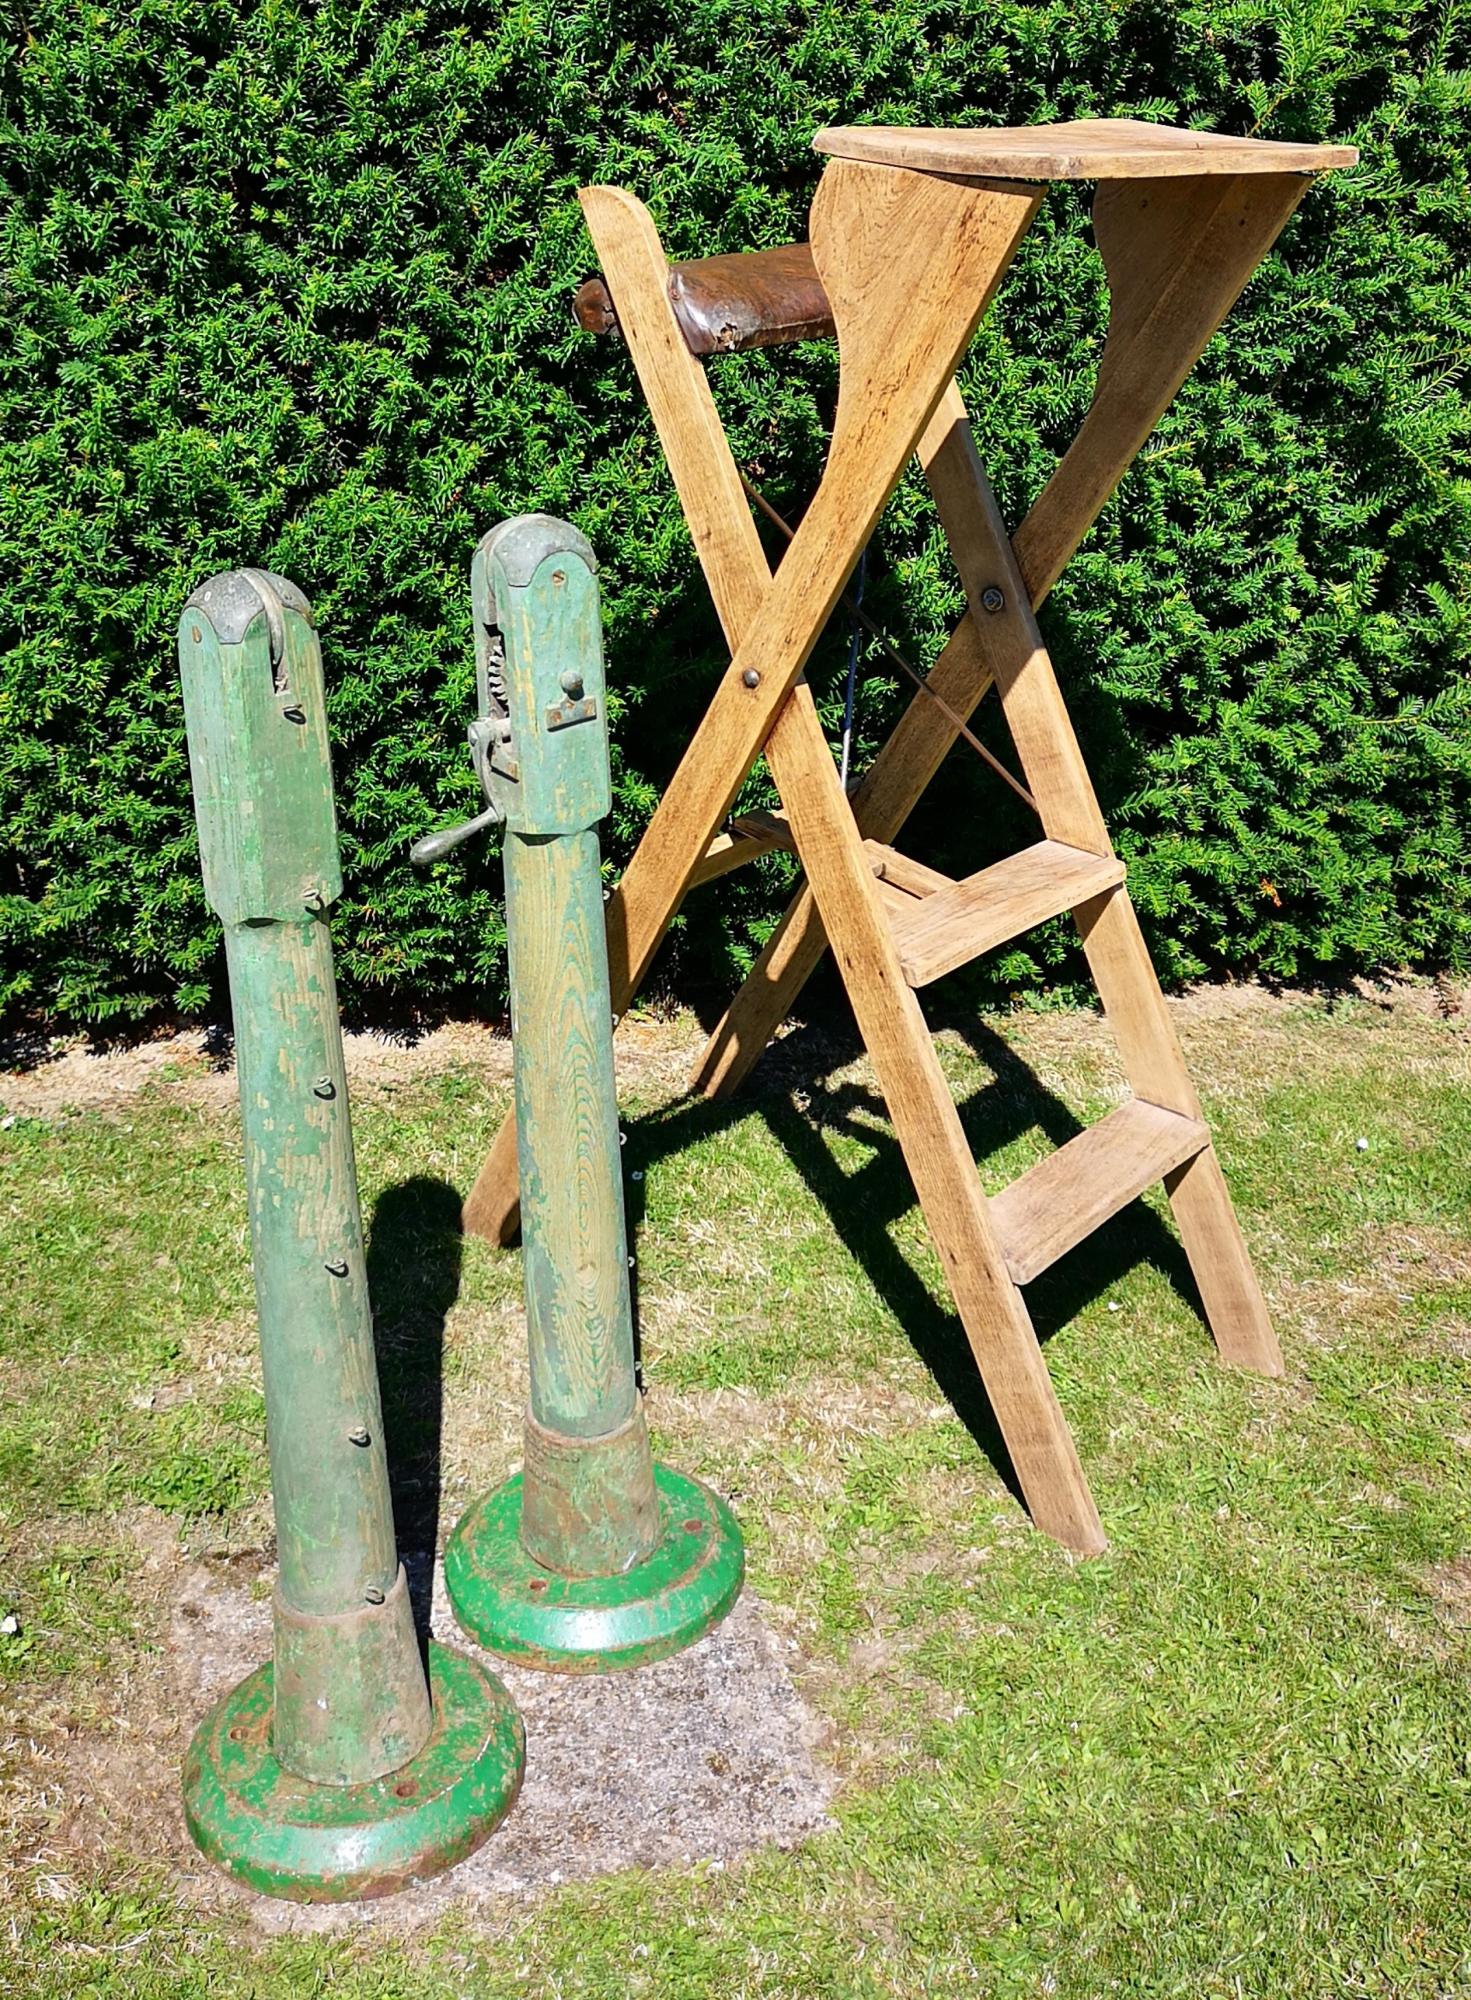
{"points": [[341, 1769], [592, 1558]]}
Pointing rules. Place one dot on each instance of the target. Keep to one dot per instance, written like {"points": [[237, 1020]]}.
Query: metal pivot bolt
{"points": [[282, 1783], [582, 1562], [993, 598]]}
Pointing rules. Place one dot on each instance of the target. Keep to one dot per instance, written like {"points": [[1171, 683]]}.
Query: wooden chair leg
{"points": [[909, 263], [1173, 277], [1128, 988], [918, 1097]]}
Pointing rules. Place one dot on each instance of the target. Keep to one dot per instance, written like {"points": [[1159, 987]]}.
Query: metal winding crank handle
{"points": [[434, 846], [531, 745], [484, 735]]}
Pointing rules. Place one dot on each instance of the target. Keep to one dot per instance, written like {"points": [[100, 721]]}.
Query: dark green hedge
{"points": [[288, 284]]}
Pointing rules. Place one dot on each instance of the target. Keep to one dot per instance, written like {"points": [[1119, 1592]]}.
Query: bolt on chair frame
{"points": [[911, 233]]}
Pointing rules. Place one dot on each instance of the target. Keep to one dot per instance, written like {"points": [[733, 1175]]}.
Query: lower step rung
{"points": [[1074, 1191], [753, 834]]}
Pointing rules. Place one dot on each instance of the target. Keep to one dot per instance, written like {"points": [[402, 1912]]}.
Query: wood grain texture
{"points": [[1025, 683], [997, 904], [888, 793], [724, 534], [258, 748], [1112, 941], [1177, 255], [750, 836], [910, 264], [263, 800], [1082, 149], [914, 877], [1065, 1197], [928, 1125], [864, 458]]}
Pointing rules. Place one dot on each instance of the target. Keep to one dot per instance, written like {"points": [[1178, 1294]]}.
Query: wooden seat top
{"points": [[1086, 149]]}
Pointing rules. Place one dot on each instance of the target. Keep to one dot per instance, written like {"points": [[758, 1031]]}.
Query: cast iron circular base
{"points": [[336, 1843], [596, 1624]]}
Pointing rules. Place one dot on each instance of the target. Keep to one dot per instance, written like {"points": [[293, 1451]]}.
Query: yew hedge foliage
{"points": [[288, 284]]}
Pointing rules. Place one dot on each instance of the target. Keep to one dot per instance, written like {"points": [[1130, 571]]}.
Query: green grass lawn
{"points": [[1229, 1757]]}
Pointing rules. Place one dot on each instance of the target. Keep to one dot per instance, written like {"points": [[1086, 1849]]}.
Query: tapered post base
{"points": [[320, 1843], [596, 1624]]}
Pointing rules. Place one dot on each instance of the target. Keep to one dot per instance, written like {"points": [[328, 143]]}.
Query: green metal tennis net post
{"points": [[592, 1558], [342, 1768]]}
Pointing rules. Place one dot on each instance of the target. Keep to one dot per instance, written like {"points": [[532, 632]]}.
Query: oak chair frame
{"points": [[909, 255]]}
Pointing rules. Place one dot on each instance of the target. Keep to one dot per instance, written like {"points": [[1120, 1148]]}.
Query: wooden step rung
{"points": [[756, 833], [1074, 1191], [913, 877], [998, 903], [751, 835]]}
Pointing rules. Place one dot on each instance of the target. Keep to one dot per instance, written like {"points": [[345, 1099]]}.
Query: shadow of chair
{"points": [[807, 1106]]}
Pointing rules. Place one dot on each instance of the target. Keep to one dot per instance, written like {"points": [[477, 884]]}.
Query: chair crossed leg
{"points": [[909, 262]]}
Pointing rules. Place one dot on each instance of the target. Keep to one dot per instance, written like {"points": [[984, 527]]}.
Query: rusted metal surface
{"points": [[589, 1501], [312, 1843], [596, 1624]]}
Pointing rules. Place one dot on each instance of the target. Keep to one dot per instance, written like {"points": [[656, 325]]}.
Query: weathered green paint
{"points": [[349, 1700], [596, 1624], [585, 1512], [589, 1501], [534, 594], [330, 1843], [334, 1526], [578, 1310], [262, 780]]}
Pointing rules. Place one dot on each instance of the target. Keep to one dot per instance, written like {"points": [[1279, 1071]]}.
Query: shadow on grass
{"points": [[792, 1090], [414, 1256]]}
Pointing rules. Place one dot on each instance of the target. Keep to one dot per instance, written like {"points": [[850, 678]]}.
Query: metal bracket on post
{"points": [[592, 1558], [339, 1769]]}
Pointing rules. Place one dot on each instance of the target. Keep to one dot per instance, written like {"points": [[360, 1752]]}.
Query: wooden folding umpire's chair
{"points": [[911, 231]]}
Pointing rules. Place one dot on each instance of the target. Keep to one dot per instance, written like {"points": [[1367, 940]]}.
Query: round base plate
{"points": [[596, 1624], [336, 1843]]}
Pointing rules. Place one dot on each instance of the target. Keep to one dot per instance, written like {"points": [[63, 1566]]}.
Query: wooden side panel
{"points": [[1177, 254]]}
